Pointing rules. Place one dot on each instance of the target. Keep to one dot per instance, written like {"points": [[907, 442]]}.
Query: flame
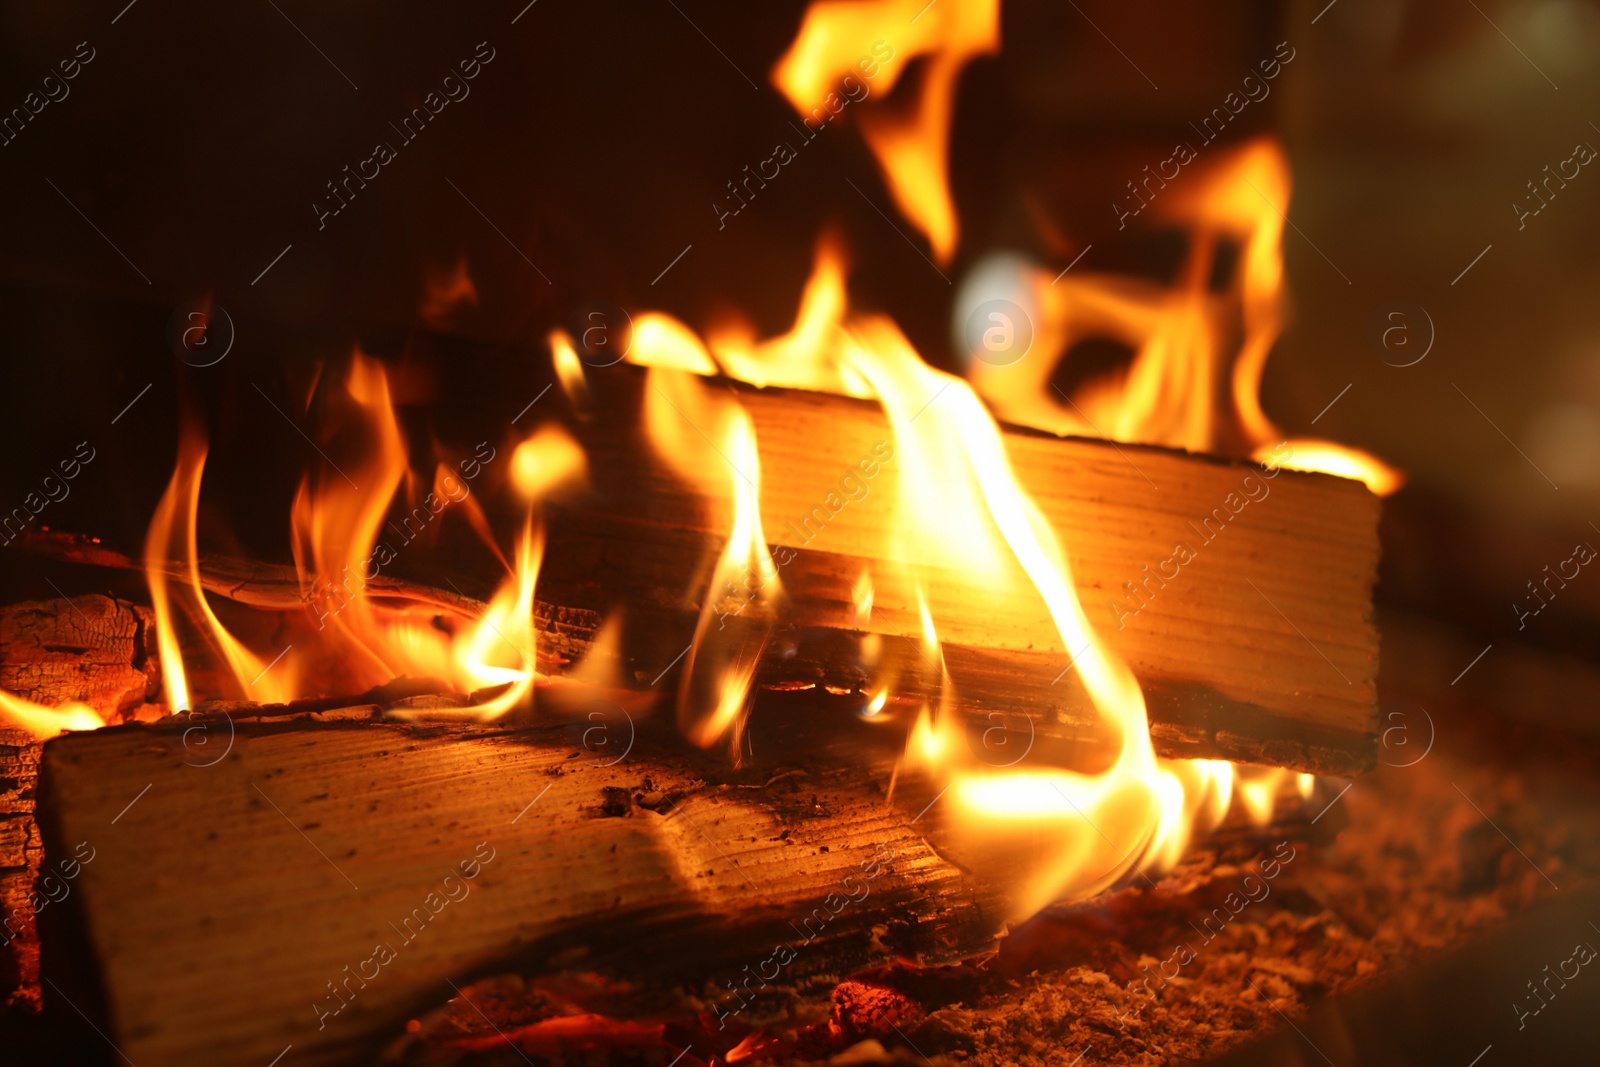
{"points": [[959, 513], [344, 532], [336, 520], [960, 509], [342, 526], [861, 593], [45, 723], [1171, 392], [1312, 454], [662, 341], [505, 633], [569, 371], [708, 440], [444, 293], [158, 539], [1135, 813], [845, 40], [791, 360], [178, 514], [547, 462]]}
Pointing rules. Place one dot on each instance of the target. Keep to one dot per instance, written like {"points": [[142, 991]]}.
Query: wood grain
{"points": [[222, 900]]}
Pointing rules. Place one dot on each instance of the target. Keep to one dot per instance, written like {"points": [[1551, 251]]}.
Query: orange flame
{"points": [[1170, 393], [335, 523], [709, 442], [876, 40], [178, 514], [343, 536], [45, 723], [569, 371], [446, 292], [960, 510]]}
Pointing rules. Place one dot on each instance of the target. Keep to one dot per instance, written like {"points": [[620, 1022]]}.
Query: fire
{"points": [[344, 531], [960, 507], [792, 360], [1193, 382], [178, 514], [961, 510], [569, 371], [709, 442], [335, 522], [43, 722], [1171, 392], [547, 462], [856, 39], [444, 292], [1137, 811]]}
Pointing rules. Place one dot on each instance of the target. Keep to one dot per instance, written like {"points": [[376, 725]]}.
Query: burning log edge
{"points": [[91, 649], [1017, 689]]}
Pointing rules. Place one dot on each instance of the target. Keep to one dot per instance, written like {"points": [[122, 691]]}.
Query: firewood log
{"points": [[313, 884], [89, 649], [1261, 647]]}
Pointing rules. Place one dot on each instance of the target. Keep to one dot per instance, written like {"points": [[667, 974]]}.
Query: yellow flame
{"points": [[569, 370], [732, 630], [861, 593], [178, 514], [961, 510], [1310, 454], [662, 341], [43, 722], [502, 648], [546, 462], [792, 359], [839, 40], [336, 521], [158, 540], [1171, 392]]}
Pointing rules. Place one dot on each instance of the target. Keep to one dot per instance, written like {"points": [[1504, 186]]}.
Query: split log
{"points": [[90, 649], [1261, 648], [462, 851]]}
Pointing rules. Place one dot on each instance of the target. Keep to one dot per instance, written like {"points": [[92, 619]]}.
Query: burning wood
{"points": [[346, 881], [348, 884], [1183, 563], [62, 663]]}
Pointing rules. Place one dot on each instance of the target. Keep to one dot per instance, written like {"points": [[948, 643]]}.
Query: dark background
{"points": [[598, 138]]}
